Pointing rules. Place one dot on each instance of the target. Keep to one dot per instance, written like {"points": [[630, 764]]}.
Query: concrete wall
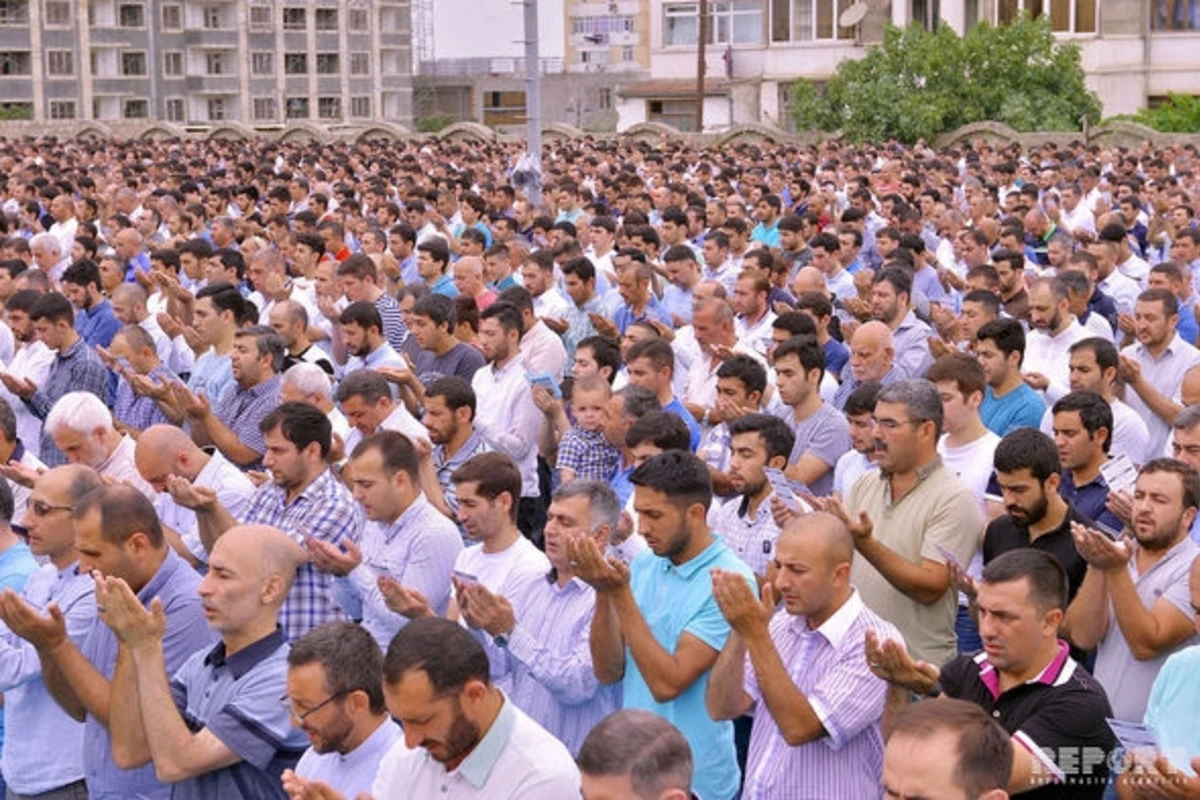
{"points": [[493, 28]]}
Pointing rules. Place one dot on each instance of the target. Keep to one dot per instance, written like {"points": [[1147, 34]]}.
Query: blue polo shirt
{"points": [[677, 408], [768, 237], [675, 600], [16, 565], [97, 325], [1091, 499], [237, 698], [1022, 407], [653, 310], [837, 354], [445, 286]]}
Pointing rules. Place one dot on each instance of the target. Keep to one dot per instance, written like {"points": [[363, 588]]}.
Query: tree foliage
{"points": [[918, 84], [1179, 114]]}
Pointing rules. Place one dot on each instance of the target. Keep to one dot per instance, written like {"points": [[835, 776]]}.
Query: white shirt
{"points": [[32, 361], [1051, 355], [551, 304], [120, 467], [1135, 269], [972, 463], [1129, 434], [1123, 290], [233, 489], [757, 335], [516, 758], [21, 493], [65, 233], [1166, 376], [399, 420], [508, 420], [515, 563], [1078, 219], [849, 468], [542, 350], [174, 353], [7, 344], [1098, 326]]}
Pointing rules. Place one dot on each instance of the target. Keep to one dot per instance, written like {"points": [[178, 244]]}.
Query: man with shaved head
{"points": [[819, 735], [872, 360], [165, 453], [468, 278], [289, 319], [216, 727]]}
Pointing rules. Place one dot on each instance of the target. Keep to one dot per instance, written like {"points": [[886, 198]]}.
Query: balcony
{"points": [[478, 67]]}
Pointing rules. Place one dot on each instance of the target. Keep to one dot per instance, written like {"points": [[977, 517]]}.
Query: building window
{"points": [[175, 109], [329, 107], [60, 63], [297, 108], [327, 64], [264, 108], [262, 63], [597, 29], [216, 109], [214, 63], [135, 109], [729, 22], [358, 19], [260, 18], [214, 20], [15, 62], [133, 63], [1078, 16], [295, 64], [58, 14], [326, 19], [14, 12], [360, 63], [503, 108], [294, 19], [172, 17], [62, 109], [360, 107], [627, 53], [808, 20], [16, 110], [131, 15], [604, 99], [679, 114], [173, 63]]}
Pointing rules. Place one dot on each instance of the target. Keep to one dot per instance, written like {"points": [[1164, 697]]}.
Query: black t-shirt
{"points": [[1003, 534], [312, 355], [1061, 716]]}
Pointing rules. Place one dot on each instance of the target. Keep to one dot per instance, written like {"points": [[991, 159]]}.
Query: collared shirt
{"points": [[326, 511], [752, 538], [1091, 498], [579, 325], [383, 356], [911, 339], [444, 286], [1126, 678], [1171, 709], [549, 304], [653, 311], [399, 420], [78, 368], [140, 411], [542, 350], [174, 583], [546, 666], [1165, 374], [1122, 289], [675, 600], [241, 409], [211, 375], [939, 511], [850, 383], [237, 698], [120, 467], [16, 565], [768, 237], [32, 361], [97, 325], [418, 550], [1049, 354], [233, 489], [588, 454], [756, 334], [445, 465], [44, 747], [829, 666], [509, 420], [352, 774], [516, 758], [1004, 534], [1130, 435], [1057, 717]]}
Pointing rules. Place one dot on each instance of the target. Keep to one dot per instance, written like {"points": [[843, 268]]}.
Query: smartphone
{"points": [[466, 577], [546, 381], [783, 487]]}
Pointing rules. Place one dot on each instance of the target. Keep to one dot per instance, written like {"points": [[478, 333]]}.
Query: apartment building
{"points": [[258, 62], [1134, 51], [607, 35]]}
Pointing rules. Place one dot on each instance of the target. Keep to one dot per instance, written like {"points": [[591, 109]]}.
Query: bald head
{"points": [[130, 294], [165, 450], [808, 279], [872, 351], [471, 265], [825, 532], [874, 334], [266, 550]]}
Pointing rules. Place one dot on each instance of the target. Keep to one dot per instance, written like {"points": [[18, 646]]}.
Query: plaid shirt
{"points": [[138, 411], [76, 369], [589, 454], [241, 409], [326, 511], [445, 465]]}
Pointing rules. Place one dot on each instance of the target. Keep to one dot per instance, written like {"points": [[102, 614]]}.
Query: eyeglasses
{"points": [[286, 702], [41, 509]]}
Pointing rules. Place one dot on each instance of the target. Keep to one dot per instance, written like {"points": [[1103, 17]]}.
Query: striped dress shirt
{"points": [[829, 666], [75, 369], [546, 666]]}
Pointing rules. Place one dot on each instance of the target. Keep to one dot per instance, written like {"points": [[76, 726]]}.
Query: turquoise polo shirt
{"points": [[675, 600], [1171, 709]]}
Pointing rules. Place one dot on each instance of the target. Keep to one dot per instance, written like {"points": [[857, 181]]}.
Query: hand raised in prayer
{"points": [[1036, 380], [146, 386], [604, 326], [21, 387], [1120, 503], [298, 788], [490, 612], [189, 495], [559, 326], [195, 406], [861, 528], [107, 358], [131, 622], [1129, 370], [257, 477], [1098, 550], [44, 631], [781, 512], [889, 661], [1153, 777], [545, 401], [961, 581], [333, 559], [20, 474], [403, 601], [746, 614], [590, 566], [170, 325]]}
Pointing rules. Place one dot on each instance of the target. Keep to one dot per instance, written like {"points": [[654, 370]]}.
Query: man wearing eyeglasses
{"points": [[335, 695]]}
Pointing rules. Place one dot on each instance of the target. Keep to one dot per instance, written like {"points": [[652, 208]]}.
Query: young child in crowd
{"points": [[583, 451]]}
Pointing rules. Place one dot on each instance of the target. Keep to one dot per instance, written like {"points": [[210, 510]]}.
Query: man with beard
{"points": [[31, 362], [449, 419], [891, 304], [335, 695], [1053, 329], [1134, 606], [95, 319], [366, 345], [1029, 474]]}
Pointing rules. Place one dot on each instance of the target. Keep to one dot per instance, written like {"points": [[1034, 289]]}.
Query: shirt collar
{"points": [[73, 350], [248, 657], [164, 575], [838, 625], [698, 562], [406, 517], [479, 763], [1056, 672], [117, 451], [261, 388]]}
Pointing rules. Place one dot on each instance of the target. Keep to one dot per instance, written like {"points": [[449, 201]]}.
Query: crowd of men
{"points": [[771, 472]]}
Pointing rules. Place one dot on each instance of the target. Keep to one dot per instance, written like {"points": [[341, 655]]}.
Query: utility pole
{"points": [[700, 66], [533, 98]]}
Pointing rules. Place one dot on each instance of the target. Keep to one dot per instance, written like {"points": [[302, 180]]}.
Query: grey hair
{"points": [[1073, 281], [642, 745], [82, 412], [309, 379], [603, 506], [1056, 286], [920, 399], [1187, 419], [47, 240]]}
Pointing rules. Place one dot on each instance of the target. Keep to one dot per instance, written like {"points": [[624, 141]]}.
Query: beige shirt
{"points": [[938, 511]]}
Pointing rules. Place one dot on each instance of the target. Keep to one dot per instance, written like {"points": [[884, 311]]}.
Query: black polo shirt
{"points": [[1003, 534], [1059, 717]]}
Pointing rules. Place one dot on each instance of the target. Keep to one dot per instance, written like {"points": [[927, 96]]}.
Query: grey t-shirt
{"points": [[461, 360], [825, 434]]}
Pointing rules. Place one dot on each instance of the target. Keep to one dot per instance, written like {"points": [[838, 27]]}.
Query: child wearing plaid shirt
{"points": [[583, 451]]}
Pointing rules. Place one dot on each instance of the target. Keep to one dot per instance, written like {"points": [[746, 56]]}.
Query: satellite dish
{"points": [[853, 15]]}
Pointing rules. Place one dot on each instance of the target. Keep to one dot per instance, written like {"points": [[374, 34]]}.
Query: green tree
{"points": [[1179, 114], [918, 84]]}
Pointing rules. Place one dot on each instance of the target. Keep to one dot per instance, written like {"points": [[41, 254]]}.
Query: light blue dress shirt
{"points": [[675, 600], [1171, 709], [351, 773]]}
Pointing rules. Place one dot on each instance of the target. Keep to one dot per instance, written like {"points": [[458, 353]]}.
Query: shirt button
{"points": [[996, 714]]}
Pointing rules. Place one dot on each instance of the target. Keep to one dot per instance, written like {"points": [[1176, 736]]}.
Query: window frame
{"points": [[50, 73], [121, 64]]}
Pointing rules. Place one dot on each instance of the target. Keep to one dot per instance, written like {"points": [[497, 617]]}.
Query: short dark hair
{"points": [[455, 391], [862, 400], [445, 651], [365, 383], [649, 749], [962, 368], [1170, 302], [350, 657], [6, 504], [124, 511], [656, 351], [678, 474], [507, 315], [984, 752], [395, 449], [267, 342], [1027, 448], [662, 429], [1104, 351], [606, 352], [301, 424], [745, 369], [437, 249], [495, 474], [806, 350], [989, 300], [1006, 333], [1188, 476], [776, 434], [54, 307], [438, 308], [1048, 585], [1094, 412], [364, 314], [81, 273]]}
